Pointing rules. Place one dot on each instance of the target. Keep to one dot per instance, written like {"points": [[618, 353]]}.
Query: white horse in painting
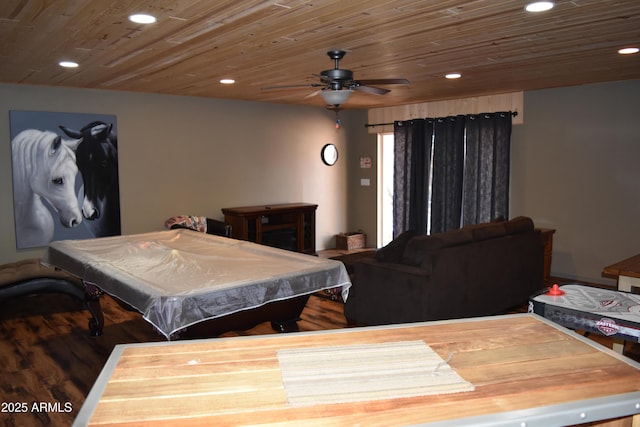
{"points": [[44, 167]]}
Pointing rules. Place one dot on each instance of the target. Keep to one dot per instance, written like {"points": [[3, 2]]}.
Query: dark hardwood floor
{"points": [[48, 357]]}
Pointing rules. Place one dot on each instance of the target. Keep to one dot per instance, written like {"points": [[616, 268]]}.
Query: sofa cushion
{"points": [[486, 231], [416, 251], [519, 224], [350, 259], [393, 251], [436, 241]]}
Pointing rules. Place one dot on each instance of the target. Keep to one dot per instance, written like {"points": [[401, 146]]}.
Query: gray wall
{"points": [[576, 168], [362, 212], [185, 155]]}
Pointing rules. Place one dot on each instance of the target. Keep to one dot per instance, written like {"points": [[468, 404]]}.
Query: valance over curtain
{"points": [[450, 172]]}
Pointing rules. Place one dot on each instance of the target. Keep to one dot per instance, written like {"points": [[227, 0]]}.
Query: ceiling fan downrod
{"points": [[336, 55]]}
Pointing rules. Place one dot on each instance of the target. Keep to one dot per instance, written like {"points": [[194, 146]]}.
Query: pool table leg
{"points": [[92, 295], [290, 325]]}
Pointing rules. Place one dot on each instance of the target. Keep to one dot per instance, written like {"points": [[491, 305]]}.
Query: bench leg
{"points": [[92, 295]]}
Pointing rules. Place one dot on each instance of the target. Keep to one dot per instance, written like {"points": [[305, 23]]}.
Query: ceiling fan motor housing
{"points": [[336, 77]]}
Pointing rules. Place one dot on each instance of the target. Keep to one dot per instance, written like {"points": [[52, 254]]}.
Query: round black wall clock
{"points": [[329, 154]]}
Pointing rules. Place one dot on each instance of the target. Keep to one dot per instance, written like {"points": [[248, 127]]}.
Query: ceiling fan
{"points": [[337, 84]]}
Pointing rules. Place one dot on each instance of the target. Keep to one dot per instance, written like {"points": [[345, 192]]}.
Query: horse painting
{"points": [[44, 168], [97, 160]]}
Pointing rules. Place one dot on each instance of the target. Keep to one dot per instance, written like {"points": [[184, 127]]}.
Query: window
{"points": [[385, 188]]}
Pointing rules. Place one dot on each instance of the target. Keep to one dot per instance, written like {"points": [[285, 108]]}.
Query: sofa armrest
{"points": [[385, 292], [373, 267]]}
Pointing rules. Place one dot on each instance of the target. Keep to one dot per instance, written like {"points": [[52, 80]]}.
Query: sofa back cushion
{"points": [[394, 251], [519, 224], [490, 230], [417, 249], [494, 229]]}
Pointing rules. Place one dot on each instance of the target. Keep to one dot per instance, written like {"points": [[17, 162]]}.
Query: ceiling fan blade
{"points": [[312, 94], [291, 86], [372, 90], [384, 82]]}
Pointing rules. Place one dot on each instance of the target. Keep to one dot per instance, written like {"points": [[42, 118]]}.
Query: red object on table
{"points": [[555, 291]]}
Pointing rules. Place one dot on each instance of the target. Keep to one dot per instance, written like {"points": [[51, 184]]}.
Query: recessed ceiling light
{"points": [[142, 18], [628, 51], [539, 6], [453, 76], [227, 81], [68, 64]]}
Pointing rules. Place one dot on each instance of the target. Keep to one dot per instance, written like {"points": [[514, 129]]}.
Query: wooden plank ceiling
{"points": [[495, 44]]}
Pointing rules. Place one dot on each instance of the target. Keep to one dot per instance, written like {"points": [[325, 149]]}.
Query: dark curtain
{"points": [[448, 165], [450, 172], [412, 161], [486, 172]]}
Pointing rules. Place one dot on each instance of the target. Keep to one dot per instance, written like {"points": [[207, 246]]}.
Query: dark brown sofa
{"points": [[478, 270]]}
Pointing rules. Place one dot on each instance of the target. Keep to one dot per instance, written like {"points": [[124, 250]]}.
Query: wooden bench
{"points": [[29, 276]]}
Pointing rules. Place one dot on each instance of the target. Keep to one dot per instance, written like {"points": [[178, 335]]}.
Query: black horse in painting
{"points": [[97, 160]]}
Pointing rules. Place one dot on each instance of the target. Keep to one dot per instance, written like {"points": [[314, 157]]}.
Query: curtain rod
{"points": [[367, 125]]}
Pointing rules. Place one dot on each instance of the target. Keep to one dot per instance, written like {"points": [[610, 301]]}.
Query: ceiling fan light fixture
{"points": [[336, 97]]}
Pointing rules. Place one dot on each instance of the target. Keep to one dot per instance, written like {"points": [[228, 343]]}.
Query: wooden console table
{"points": [[626, 271], [289, 226], [547, 241]]}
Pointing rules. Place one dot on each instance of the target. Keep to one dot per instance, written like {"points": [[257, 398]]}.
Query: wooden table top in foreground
{"points": [[526, 371]]}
